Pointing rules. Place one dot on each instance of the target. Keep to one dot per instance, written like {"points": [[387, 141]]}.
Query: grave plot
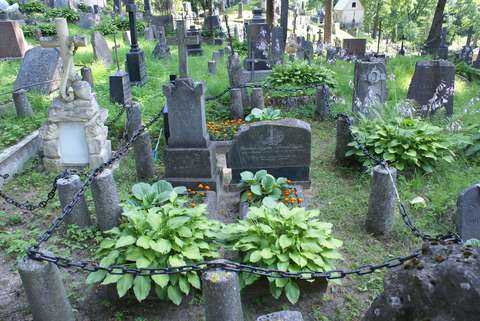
{"points": [[224, 197]]}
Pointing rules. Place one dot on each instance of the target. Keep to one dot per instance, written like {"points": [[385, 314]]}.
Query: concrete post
{"points": [[257, 100], [67, 188], [106, 200], [22, 105]]}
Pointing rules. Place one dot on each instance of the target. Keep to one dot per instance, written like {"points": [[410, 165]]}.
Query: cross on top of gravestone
{"points": [[67, 45], [182, 40]]}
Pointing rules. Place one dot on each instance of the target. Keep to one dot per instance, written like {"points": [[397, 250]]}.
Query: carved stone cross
{"points": [[67, 45], [182, 40]]}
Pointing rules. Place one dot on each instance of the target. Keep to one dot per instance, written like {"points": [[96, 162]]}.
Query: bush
{"points": [[240, 47], [268, 113], [283, 239], [108, 25], [467, 71], [158, 231], [472, 148], [301, 74], [405, 143], [29, 30], [33, 7], [67, 13]]}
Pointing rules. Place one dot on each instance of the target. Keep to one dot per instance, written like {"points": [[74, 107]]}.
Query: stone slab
{"points": [[12, 42], [468, 213]]}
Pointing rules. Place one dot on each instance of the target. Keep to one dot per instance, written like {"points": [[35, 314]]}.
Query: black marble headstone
{"points": [[258, 39], [120, 91]]}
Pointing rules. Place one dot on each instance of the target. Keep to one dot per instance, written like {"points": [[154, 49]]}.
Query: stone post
{"points": [[322, 108], [344, 137], [221, 293], [142, 147], [381, 207], [45, 291], [67, 188], [106, 200], [87, 75], [236, 104], [257, 98], [212, 67], [216, 56], [22, 105]]}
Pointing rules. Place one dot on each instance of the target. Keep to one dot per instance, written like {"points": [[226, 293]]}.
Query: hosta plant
{"points": [[301, 74], [279, 238], [268, 113], [406, 143], [261, 187], [168, 235]]}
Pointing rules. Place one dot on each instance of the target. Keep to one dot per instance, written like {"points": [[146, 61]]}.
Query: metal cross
{"points": [[182, 40]]}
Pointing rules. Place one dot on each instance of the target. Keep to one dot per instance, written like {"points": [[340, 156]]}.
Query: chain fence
{"points": [[35, 253]]}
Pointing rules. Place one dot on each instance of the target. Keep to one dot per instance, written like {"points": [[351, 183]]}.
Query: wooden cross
{"points": [[182, 40], [67, 45]]}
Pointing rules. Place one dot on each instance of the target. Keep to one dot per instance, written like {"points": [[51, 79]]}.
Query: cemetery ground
{"points": [[340, 193]]}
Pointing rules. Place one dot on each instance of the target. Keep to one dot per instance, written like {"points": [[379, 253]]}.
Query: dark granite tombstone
{"points": [[212, 22], [258, 38], [277, 46], [40, 70], [120, 91], [468, 213], [166, 21], [12, 42], [466, 54], [433, 78], [355, 47], [308, 50], [135, 63], [194, 49], [101, 51], [281, 147], [370, 87]]}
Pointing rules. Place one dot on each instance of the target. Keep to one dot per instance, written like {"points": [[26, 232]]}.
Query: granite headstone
{"points": [[12, 42], [355, 47], [468, 213], [101, 51], [258, 42]]}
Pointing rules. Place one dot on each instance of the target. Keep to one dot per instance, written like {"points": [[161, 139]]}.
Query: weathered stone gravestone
{"points": [[165, 21], [355, 47], [307, 46], [466, 54], [194, 48], [468, 213], [101, 51], [432, 86], [74, 134], [161, 50], [277, 46], [88, 20], [258, 38], [149, 34], [281, 147], [127, 38], [12, 42], [40, 70], [370, 87], [189, 157], [237, 77], [442, 284]]}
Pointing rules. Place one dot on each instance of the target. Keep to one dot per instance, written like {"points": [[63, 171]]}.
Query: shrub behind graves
{"points": [[158, 230], [32, 7], [240, 47], [301, 74], [283, 239], [109, 25], [67, 13], [268, 113], [472, 148], [406, 143]]}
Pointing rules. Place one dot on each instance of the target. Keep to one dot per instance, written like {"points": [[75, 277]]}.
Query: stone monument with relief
{"points": [[189, 157], [74, 134]]}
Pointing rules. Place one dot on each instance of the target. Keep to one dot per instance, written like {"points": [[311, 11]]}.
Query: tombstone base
{"points": [[120, 91], [195, 51], [258, 64], [256, 76], [136, 68]]}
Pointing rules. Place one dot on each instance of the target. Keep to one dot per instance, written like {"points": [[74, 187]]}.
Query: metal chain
{"points": [[117, 117]]}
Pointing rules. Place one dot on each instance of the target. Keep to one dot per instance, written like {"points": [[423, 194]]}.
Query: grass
{"points": [[340, 193]]}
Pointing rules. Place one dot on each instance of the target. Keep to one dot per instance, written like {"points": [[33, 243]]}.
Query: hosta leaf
{"points": [[125, 241], [161, 279], [194, 280], [292, 291], [124, 284], [111, 278], [177, 221], [174, 295], [144, 242], [331, 254], [175, 261], [96, 277], [141, 190], [256, 189], [141, 287], [184, 232], [162, 186], [255, 256], [143, 262], [162, 246], [192, 252], [107, 243], [298, 258], [284, 241], [247, 176], [184, 285], [267, 253]]}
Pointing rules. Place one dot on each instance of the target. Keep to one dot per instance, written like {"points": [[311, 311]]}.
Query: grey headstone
{"points": [[216, 56], [277, 46], [427, 79], [466, 54], [476, 63], [240, 11], [148, 34], [307, 46], [258, 43], [468, 213], [370, 87], [344, 137], [322, 106], [282, 316], [161, 50], [236, 103], [211, 22], [127, 38], [87, 75], [39, 67], [101, 51], [119, 87], [331, 53], [22, 105], [282, 147], [88, 20], [237, 77], [257, 100], [355, 47]]}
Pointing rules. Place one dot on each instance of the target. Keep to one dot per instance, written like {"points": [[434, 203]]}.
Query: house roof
{"points": [[341, 4]]}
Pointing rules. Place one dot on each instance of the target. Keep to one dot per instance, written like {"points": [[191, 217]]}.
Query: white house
{"points": [[349, 12]]}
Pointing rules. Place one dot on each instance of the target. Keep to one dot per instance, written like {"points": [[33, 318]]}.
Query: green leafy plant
{"points": [[47, 29], [153, 236], [406, 143], [261, 187], [240, 47], [472, 146], [67, 13], [32, 7], [268, 113], [276, 237], [473, 243], [109, 25], [301, 74]]}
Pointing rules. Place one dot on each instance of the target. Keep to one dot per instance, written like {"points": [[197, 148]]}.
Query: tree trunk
{"points": [[270, 13], [284, 20], [328, 22], [433, 40]]}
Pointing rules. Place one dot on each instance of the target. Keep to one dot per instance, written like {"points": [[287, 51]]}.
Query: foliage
{"points": [[405, 143], [47, 29], [32, 7], [268, 113], [473, 243], [154, 235], [109, 25], [301, 74], [223, 130], [286, 239], [467, 71], [240, 47], [472, 146], [261, 187], [67, 13], [82, 7], [216, 32]]}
